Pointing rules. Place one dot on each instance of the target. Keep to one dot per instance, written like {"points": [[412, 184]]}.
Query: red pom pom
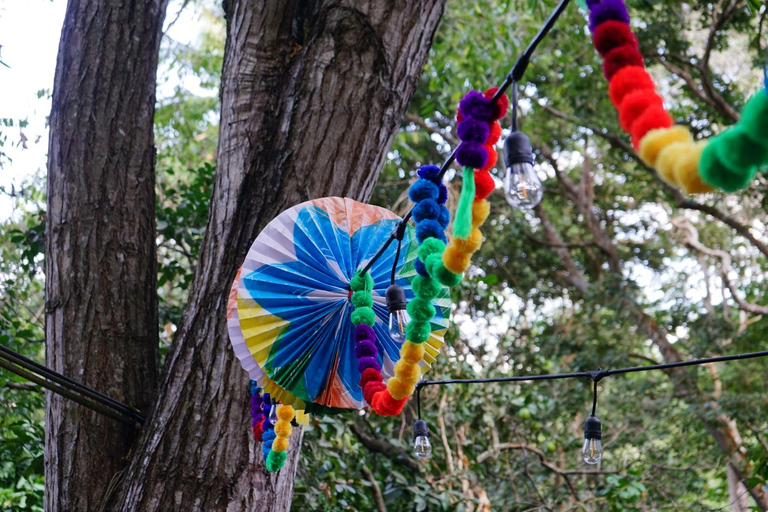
{"points": [[651, 119], [493, 156], [502, 104], [258, 429], [484, 185], [634, 104], [621, 57], [370, 375], [626, 80], [385, 405], [459, 116], [495, 134], [371, 389], [612, 34]]}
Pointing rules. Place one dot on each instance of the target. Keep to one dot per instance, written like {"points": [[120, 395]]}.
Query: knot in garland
{"points": [[728, 161]]}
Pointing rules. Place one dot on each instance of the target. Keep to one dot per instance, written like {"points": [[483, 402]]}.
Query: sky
{"points": [[29, 41]]}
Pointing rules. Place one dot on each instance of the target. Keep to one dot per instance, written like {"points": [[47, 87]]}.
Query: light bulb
{"points": [[522, 186], [273, 414], [397, 322], [398, 316], [592, 451], [422, 447]]}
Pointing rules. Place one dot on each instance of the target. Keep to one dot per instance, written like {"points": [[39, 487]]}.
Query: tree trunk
{"points": [[312, 95], [101, 297]]}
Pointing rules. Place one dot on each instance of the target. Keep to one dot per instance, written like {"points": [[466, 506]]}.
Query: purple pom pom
{"points": [[368, 362], [429, 228], [256, 401], [476, 105], [442, 196], [607, 10], [473, 130], [426, 209], [471, 154], [420, 268], [428, 172], [366, 348], [443, 216], [423, 189], [364, 332]]}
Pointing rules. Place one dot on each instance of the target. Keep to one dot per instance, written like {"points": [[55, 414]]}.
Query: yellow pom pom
{"points": [[283, 429], [280, 444], [687, 171], [455, 260], [471, 244], [412, 352], [285, 412], [399, 389], [407, 372], [480, 211], [656, 140], [668, 157], [302, 418]]}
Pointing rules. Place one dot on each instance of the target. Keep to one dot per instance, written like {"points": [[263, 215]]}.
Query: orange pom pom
{"points": [[400, 389], [285, 412], [456, 261], [412, 352], [484, 183], [283, 429], [280, 444], [407, 372], [385, 405], [471, 244]]}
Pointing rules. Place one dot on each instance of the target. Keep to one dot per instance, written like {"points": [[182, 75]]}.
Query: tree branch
{"points": [[389, 450]]}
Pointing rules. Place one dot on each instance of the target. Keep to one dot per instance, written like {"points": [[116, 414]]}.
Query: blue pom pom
{"points": [[443, 216], [420, 268], [429, 228], [423, 189], [442, 196], [426, 209], [428, 172]]}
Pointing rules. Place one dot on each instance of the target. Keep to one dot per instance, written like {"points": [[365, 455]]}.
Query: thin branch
{"points": [[23, 386], [397, 454], [377, 496]]}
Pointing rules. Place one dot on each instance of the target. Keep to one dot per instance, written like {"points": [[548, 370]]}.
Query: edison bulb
{"points": [[592, 451], [522, 186], [397, 322], [422, 448]]}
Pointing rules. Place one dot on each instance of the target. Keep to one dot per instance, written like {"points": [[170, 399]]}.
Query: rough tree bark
{"points": [[312, 95], [101, 296]]}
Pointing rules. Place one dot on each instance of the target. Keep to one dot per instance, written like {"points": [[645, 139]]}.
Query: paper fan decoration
{"points": [[291, 328]]}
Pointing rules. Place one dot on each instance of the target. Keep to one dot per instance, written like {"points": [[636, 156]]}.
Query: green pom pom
{"points": [[446, 277], [417, 332], [754, 118], [275, 461], [363, 316], [426, 287], [737, 150], [359, 282], [432, 263], [429, 247], [421, 309], [362, 299], [716, 174]]}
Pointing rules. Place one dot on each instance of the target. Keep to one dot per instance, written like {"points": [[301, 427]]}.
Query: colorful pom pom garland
{"points": [[275, 438], [728, 161]]}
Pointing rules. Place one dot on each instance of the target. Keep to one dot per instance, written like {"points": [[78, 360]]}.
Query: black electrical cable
{"points": [[596, 375], [513, 77], [58, 383]]}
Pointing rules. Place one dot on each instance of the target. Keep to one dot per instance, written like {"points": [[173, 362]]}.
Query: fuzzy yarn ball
{"points": [[494, 134], [714, 172], [423, 189], [417, 332], [366, 348], [425, 287], [426, 209], [471, 154], [484, 184], [411, 352], [612, 34], [737, 149], [430, 246], [634, 105], [443, 216], [490, 163], [365, 363], [361, 282], [502, 104], [621, 57], [626, 80], [363, 316], [429, 229], [651, 119], [476, 105], [473, 130], [364, 332], [421, 309], [428, 172], [754, 118], [275, 461], [362, 299], [607, 10], [420, 268]]}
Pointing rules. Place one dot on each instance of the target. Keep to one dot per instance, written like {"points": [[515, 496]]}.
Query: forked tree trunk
{"points": [[101, 296], [312, 94]]}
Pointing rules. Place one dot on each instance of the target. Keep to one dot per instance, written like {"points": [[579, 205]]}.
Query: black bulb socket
{"points": [[420, 429], [592, 428], [396, 300], [517, 149]]}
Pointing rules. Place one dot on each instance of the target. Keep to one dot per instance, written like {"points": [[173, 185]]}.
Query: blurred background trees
{"points": [[614, 269]]}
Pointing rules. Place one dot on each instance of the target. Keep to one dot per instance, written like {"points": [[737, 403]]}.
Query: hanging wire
{"points": [[514, 76], [28, 369]]}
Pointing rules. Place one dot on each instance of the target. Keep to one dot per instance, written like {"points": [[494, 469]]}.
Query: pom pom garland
{"points": [[651, 119], [418, 332], [473, 130], [484, 183], [612, 34], [494, 135], [621, 57], [501, 106], [686, 171], [471, 154], [634, 104], [627, 80], [364, 332], [428, 209], [476, 105], [423, 189], [428, 172], [492, 159], [365, 350], [362, 299], [607, 10], [429, 228]]}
